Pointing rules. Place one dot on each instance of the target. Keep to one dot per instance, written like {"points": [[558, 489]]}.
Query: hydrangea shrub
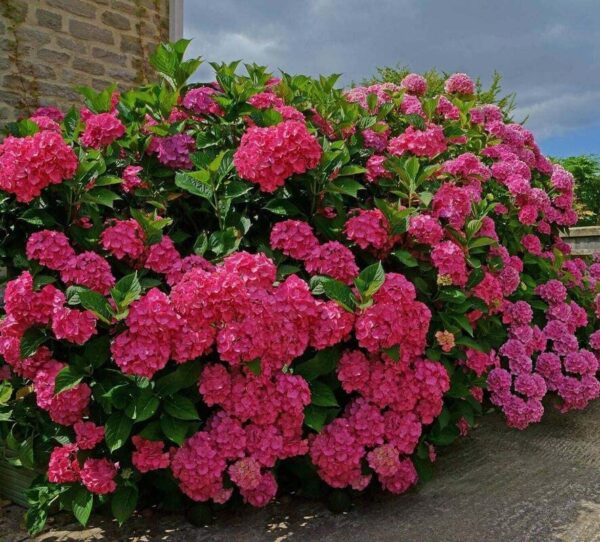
{"points": [[218, 292]]}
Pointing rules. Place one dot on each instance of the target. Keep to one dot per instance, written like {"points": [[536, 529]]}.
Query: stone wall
{"points": [[47, 47], [584, 241]]}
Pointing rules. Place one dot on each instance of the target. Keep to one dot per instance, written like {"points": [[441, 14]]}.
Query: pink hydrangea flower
{"points": [[200, 101], [368, 228], [173, 151], [51, 248], [124, 239], [459, 83], [101, 130], [294, 238], [51, 112], [376, 169], [88, 435], [63, 467], [30, 164], [425, 229], [268, 156], [414, 84], [429, 142], [131, 179], [452, 203], [90, 270], [468, 167], [334, 260], [46, 123], [98, 476], [447, 109], [149, 455], [162, 257], [449, 260], [262, 494], [376, 138], [73, 325]]}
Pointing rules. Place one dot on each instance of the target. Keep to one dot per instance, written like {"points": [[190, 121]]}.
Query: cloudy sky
{"points": [[548, 51]]}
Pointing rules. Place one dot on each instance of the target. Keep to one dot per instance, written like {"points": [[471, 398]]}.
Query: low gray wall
{"points": [[584, 240]]}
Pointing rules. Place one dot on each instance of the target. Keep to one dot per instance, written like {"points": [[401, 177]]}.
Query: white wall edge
{"points": [[175, 20]]}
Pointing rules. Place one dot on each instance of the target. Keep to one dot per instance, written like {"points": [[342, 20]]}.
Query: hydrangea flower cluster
{"points": [[297, 240], [101, 130], [268, 156], [429, 142], [30, 164], [260, 422], [53, 250], [200, 101]]}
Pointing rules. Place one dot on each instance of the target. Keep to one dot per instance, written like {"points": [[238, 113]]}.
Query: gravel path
{"points": [[542, 484]]}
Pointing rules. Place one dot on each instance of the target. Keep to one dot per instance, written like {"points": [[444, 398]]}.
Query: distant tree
{"points": [[586, 170]]}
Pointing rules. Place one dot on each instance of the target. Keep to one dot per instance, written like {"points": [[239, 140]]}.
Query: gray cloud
{"points": [[548, 51]]}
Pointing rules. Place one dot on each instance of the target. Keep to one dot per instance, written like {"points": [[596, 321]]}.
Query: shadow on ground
{"points": [[542, 484]]}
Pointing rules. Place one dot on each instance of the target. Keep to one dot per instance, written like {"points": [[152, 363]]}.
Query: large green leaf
{"points": [[180, 407], [196, 183], [117, 430], [123, 502]]}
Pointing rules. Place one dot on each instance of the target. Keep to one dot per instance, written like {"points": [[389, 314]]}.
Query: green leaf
{"points": [[143, 406], [393, 352], [201, 244], [82, 504], [67, 378], [35, 519], [25, 453], [338, 291], [471, 343], [412, 167], [106, 180], [452, 295], [464, 323], [235, 189], [315, 417], [6, 390], [96, 303], [405, 258], [181, 408], [117, 430], [372, 102], [184, 376], [174, 429], [255, 367], [426, 198], [97, 351], [32, 339], [370, 280], [101, 196], [424, 469], [38, 217], [127, 290], [282, 207], [345, 185], [322, 395], [196, 183], [224, 242], [481, 242], [324, 362], [123, 502], [447, 436], [476, 276], [416, 120], [352, 170]]}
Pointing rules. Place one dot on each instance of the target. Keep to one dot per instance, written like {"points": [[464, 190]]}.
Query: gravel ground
{"points": [[542, 484]]}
